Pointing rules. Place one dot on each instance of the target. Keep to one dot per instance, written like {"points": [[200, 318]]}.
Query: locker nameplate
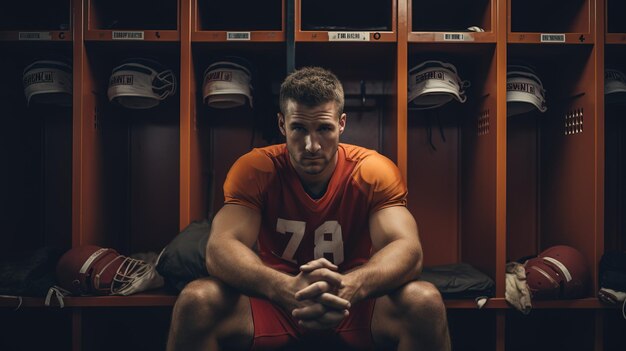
{"points": [[126, 35], [456, 37], [348, 36], [238, 36], [35, 36], [552, 38]]}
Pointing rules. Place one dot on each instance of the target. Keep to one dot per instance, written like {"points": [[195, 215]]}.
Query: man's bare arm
{"points": [[231, 259], [229, 256], [398, 258]]}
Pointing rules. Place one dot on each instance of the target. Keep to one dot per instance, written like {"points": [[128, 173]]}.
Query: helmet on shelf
{"points": [[48, 82], [140, 83], [614, 86], [434, 83], [93, 270], [228, 83], [524, 91], [559, 272]]}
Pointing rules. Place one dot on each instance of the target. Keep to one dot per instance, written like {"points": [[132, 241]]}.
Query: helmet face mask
{"points": [[227, 83], [524, 91], [141, 84], [48, 82], [92, 270], [434, 83]]}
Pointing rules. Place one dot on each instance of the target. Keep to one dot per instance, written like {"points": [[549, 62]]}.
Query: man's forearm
{"points": [[392, 266], [238, 266]]}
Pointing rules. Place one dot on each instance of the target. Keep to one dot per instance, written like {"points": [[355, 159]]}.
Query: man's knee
{"points": [[209, 306], [420, 300], [414, 313], [205, 297]]}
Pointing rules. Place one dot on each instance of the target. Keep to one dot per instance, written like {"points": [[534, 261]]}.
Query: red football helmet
{"points": [[558, 272], [90, 269]]}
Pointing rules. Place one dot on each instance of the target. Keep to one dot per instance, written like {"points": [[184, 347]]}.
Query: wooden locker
{"points": [[485, 188]]}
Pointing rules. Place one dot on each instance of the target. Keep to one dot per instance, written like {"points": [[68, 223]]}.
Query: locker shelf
{"points": [[346, 21], [143, 20], [238, 21], [29, 35], [145, 299], [551, 22], [162, 298], [448, 21]]}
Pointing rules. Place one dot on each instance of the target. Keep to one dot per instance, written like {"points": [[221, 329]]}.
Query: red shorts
{"points": [[275, 329]]}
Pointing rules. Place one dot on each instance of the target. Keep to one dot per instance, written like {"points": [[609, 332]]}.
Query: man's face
{"points": [[312, 136]]}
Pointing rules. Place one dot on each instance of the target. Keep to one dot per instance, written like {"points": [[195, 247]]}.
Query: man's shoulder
{"points": [[251, 174], [263, 159], [371, 166], [357, 153], [367, 159], [376, 175], [271, 151]]}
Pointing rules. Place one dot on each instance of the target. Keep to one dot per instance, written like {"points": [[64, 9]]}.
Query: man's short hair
{"points": [[311, 86]]}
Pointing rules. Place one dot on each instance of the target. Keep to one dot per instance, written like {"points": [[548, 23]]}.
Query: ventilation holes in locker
{"points": [[574, 122], [483, 123]]}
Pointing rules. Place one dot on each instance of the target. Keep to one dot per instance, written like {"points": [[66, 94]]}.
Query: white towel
{"points": [[517, 293]]}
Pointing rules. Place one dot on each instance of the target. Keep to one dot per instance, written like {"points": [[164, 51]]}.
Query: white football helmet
{"points": [[434, 83], [614, 86], [227, 83], [475, 29], [140, 83], [48, 82], [524, 91]]}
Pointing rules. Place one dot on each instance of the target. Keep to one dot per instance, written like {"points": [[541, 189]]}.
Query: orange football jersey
{"points": [[296, 228]]}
